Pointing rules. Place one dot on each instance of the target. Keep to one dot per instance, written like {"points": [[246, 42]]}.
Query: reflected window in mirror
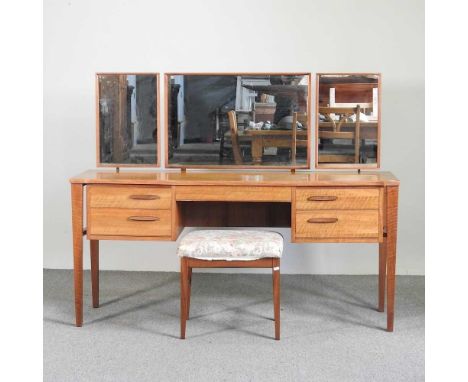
{"points": [[238, 120], [348, 120], [127, 107]]}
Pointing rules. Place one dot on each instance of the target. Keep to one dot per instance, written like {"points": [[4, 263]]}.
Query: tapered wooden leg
{"points": [[77, 225], [276, 296], [189, 290], [391, 220], [183, 295], [94, 250], [382, 275]]}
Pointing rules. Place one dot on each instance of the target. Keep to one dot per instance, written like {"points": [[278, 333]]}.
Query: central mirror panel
{"points": [[348, 120], [241, 120]]}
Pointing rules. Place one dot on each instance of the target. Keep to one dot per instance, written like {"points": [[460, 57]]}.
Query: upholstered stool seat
{"points": [[228, 249], [231, 245]]}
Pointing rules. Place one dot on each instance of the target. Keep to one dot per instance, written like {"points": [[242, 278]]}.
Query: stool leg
{"points": [[189, 290], [183, 295], [276, 296]]}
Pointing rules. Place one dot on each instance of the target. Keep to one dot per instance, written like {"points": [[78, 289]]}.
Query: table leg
{"points": [[77, 224], [382, 274], [257, 150], [183, 295], [94, 251], [390, 249]]}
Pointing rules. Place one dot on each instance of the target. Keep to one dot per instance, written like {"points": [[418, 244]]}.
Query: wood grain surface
{"points": [[140, 197], [343, 224], [129, 222], [339, 198]]}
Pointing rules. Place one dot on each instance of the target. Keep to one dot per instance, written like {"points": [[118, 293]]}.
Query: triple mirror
{"points": [[238, 120], [127, 119], [250, 120], [348, 121]]}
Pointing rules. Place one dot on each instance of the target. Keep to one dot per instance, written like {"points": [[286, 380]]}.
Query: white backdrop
{"points": [[83, 37]]}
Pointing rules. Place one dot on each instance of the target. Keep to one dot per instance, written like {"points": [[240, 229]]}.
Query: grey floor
{"points": [[330, 329]]}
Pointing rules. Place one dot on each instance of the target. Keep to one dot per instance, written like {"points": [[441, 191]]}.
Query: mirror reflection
{"points": [[242, 120], [127, 119], [348, 119]]}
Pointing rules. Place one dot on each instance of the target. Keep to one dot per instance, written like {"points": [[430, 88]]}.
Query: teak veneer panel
{"points": [[233, 194], [139, 197], [337, 198], [340, 224], [129, 222]]}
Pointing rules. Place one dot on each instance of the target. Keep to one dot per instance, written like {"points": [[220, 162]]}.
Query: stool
{"points": [[228, 249]]}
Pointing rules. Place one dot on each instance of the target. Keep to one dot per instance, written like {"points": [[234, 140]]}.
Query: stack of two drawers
{"points": [[338, 214], [128, 211]]}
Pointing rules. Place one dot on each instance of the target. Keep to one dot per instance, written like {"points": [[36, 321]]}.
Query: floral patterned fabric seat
{"points": [[231, 245]]}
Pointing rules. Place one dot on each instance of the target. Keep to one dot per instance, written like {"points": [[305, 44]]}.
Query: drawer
{"points": [[337, 198], [138, 197], [233, 193], [129, 222], [340, 224]]}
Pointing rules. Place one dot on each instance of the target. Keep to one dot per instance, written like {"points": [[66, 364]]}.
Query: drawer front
{"points": [[340, 224], [129, 197], [233, 193], [129, 222], [337, 198]]}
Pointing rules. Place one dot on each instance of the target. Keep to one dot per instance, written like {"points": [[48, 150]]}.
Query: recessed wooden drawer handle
{"points": [[322, 198], [144, 197], [143, 218], [322, 220]]}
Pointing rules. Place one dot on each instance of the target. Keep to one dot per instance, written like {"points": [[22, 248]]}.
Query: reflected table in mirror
{"points": [[263, 139]]}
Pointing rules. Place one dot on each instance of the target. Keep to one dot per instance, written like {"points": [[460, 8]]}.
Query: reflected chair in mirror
{"points": [[368, 146], [236, 151], [334, 129], [228, 249], [295, 142]]}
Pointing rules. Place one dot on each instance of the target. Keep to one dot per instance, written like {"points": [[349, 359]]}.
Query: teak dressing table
{"points": [[330, 207], [202, 131]]}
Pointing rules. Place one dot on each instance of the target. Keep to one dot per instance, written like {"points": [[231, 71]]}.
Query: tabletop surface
{"points": [[234, 177]]}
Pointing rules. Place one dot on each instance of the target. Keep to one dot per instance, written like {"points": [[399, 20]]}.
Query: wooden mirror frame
{"points": [[158, 117], [167, 77], [341, 166]]}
